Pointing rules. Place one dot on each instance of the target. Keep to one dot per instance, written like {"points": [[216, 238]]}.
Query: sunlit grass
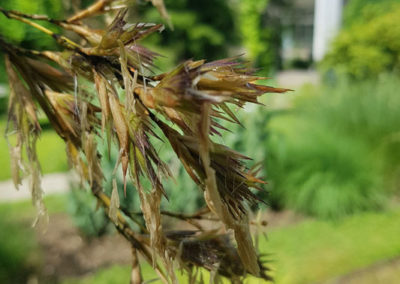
{"points": [[307, 252], [315, 251], [24, 209]]}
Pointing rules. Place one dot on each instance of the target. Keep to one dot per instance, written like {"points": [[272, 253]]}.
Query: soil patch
{"points": [[66, 253]]}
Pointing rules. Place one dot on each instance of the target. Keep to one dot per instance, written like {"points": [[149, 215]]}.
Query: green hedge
{"points": [[338, 153]]}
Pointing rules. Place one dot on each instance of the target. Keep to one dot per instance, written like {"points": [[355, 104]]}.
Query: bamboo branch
{"points": [[123, 228], [19, 50], [96, 8], [31, 16], [62, 40]]}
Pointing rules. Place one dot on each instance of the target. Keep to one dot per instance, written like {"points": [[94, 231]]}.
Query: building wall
{"points": [[309, 27], [327, 22]]}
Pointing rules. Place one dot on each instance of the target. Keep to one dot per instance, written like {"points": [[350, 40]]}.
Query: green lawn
{"points": [[315, 251], [50, 149], [22, 210], [311, 251], [308, 252]]}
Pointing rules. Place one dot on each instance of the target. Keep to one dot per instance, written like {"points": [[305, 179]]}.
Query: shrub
{"points": [[337, 154], [199, 30], [367, 48], [363, 11], [91, 221], [324, 174]]}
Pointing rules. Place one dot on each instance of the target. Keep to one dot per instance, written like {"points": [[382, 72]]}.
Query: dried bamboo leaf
{"points": [[101, 87], [22, 113], [76, 162], [42, 218], [213, 251], [122, 130], [114, 204], [20, 93], [95, 172], [127, 78], [16, 162]]}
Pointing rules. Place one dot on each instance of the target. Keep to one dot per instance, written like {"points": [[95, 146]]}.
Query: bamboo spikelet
{"points": [[131, 108]]}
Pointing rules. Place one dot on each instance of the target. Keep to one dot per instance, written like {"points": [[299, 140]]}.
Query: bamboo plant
{"points": [[127, 105]]}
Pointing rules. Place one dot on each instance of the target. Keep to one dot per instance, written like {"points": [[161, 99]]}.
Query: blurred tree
{"points": [[201, 29], [250, 13], [260, 26], [364, 11], [27, 36], [368, 47], [24, 35]]}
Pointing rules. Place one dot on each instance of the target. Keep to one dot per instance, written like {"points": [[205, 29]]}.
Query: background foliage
{"points": [[363, 11], [337, 153], [24, 35], [370, 42], [201, 29]]}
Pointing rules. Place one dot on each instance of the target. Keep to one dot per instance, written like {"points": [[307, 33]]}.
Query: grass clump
{"points": [[337, 152], [326, 176]]}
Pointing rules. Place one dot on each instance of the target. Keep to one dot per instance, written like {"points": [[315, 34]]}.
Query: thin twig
{"points": [[96, 8]]}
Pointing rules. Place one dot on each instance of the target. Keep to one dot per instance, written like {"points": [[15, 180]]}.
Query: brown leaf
{"points": [[114, 204], [122, 130]]}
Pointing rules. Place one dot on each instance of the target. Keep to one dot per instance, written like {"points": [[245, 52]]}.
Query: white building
{"points": [[327, 22], [309, 27]]}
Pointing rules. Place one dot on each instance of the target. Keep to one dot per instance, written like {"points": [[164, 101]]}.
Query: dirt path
{"points": [[51, 183]]}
